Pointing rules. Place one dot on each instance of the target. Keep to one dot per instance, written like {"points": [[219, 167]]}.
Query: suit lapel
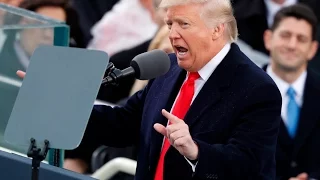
{"points": [[167, 94], [309, 111], [210, 93], [284, 137]]}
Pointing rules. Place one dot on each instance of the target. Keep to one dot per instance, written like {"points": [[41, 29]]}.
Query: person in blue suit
{"points": [[292, 43], [213, 115]]}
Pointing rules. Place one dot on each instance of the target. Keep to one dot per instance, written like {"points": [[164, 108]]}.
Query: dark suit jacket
{"points": [[251, 19], [234, 119], [295, 156]]}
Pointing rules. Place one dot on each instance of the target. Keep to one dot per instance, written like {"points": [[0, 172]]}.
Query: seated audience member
{"points": [[129, 23], [292, 44], [90, 12], [122, 60], [19, 45], [60, 10], [254, 17]]}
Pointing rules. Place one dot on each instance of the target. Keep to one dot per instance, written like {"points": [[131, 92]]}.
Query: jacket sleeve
{"points": [[117, 126], [111, 126]]}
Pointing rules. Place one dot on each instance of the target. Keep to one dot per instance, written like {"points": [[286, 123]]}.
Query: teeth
{"points": [[182, 53]]}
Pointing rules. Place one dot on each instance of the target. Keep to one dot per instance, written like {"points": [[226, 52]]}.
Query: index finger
{"points": [[172, 118]]}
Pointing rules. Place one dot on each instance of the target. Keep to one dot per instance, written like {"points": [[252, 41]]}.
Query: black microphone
{"points": [[144, 66]]}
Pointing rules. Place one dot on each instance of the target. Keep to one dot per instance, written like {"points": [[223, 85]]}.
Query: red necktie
{"points": [[180, 109]]}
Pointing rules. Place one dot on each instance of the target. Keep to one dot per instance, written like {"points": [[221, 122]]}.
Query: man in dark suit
{"points": [[231, 127], [254, 17], [291, 41]]}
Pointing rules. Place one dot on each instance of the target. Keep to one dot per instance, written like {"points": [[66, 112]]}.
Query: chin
{"points": [[289, 67], [184, 65]]}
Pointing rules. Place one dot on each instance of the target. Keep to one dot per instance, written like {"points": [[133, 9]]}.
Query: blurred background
{"points": [[123, 29]]}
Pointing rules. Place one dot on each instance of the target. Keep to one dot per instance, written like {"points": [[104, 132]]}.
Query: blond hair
{"points": [[214, 12]]}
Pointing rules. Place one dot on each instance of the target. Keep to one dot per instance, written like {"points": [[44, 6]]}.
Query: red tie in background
{"points": [[180, 109]]}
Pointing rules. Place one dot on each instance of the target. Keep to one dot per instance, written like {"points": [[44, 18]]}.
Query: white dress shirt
{"points": [[283, 86], [205, 73], [273, 8]]}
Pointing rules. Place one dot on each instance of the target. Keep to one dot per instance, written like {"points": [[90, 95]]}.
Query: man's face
{"points": [[11, 2], [32, 38], [291, 44], [189, 36]]}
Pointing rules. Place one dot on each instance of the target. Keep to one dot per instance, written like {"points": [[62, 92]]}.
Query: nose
{"points": [[292, 42], [174, 34]]}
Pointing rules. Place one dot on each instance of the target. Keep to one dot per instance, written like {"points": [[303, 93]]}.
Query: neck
{"points": [[218, 46], [288, 75]]}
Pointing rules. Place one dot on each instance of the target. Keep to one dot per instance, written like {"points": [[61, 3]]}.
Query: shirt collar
{"points": [[297, 85], [208, 69]]}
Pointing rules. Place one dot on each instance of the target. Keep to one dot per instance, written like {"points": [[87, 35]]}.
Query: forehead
{"points": [[294, 25], [188, 10]]}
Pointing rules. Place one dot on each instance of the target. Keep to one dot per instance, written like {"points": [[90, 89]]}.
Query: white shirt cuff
{"points": [[193, 166]]}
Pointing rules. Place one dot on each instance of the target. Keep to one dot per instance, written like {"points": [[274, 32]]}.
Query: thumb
{"points": [[160, 129], [21, 74]]}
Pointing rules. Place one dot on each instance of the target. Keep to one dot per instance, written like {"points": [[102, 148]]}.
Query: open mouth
{"points": [[181, 50]]}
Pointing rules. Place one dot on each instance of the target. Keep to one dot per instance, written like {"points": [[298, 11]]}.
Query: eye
{"points": [[184, 24], [169, 24], [302, 39], [285, 35]]}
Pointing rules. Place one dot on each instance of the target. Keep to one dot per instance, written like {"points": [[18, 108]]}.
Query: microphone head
{"points": [[151, 64]]}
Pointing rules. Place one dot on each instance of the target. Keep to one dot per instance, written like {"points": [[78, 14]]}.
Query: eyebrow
{"points": [[177, 19]]}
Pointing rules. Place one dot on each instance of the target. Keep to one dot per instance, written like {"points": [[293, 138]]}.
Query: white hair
{"points": [[214, 12]]}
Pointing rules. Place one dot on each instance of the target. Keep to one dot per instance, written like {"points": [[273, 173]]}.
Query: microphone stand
{"points": [[37, 156], [112, 74]]}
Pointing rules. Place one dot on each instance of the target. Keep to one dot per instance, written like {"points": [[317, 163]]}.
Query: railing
{"points": [[114, 166]]}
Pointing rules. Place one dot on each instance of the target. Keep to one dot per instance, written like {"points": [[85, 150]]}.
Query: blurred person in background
{"points": [[14, 3], [129, 23], [90, 12], [292, 43], [60, 10], [19, 44], [122, 59], [256, 16]]}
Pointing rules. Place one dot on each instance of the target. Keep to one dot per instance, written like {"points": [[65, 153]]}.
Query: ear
{"points": [[313, 50], [267, 36], [218, 31]]}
